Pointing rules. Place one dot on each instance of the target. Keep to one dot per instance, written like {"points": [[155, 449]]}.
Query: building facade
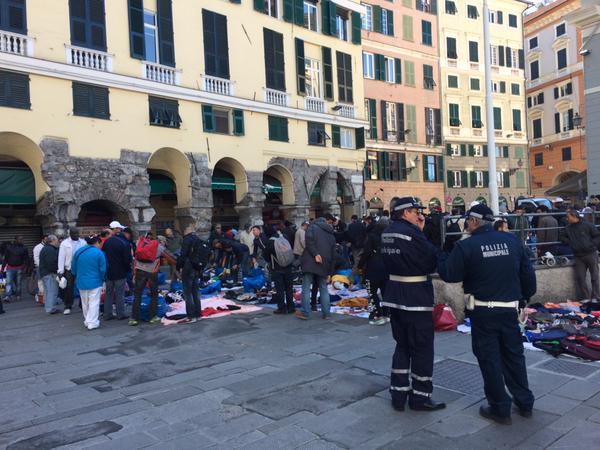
{"points": [[160, 113], [463, 101], [555, 87], [587, 18], [401, 79]]}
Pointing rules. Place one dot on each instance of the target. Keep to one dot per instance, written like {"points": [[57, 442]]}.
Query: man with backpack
{"points": [[146, 264], [279, 256], [194, 257]]}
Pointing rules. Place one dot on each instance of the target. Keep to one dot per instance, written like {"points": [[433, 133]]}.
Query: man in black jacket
{"points": [[117, 250], [190, 273], [48, 271], [281, 275], [16, 260], [583, 238], [357, 235]]}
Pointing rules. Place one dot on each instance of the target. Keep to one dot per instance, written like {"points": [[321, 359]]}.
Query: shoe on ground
{"points": [[428, 405], [54, 311], [313, 307], [527, 413], [280, 311], [486, 412], [107, 318], [377, 321], [398, 406], [123, 318], [327, 317], [155, 320], [90, 328], [291, 310], [133, 323], [188, 320], [300, 315], [67, 311]]}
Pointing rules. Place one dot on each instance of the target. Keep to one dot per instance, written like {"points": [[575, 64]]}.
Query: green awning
{"points": [[223, 184], [161, 185], [17, 187], [271, 185]]}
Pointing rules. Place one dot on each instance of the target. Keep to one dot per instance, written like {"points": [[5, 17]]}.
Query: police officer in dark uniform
{"points": [[409, 258], [497, 277]]}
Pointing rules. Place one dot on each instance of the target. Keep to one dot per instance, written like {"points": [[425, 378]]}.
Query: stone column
{"points": [[199, 218], [250, 208], [200, 212], [329, 192], [296, 213]]}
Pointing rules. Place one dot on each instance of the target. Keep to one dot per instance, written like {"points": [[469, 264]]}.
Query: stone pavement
{"points": [[260, 381]]}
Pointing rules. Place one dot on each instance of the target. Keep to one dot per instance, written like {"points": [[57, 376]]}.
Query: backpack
{"points": [[199, 254], [283, 251], [146, 250]]}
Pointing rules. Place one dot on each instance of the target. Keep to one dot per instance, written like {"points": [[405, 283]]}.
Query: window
{"points": [[537, 128], [341, 23], [390, 121], [492, 16], [539, 159], [520, 179], [533, 43], [493, 55], [88, 28], [216, 48], [390, 73], [476, 116], [274, 60], [454, 150], [433, 129], [368, 65], [164, 112], [278, 129], [13, 16], [428, 81], [313, 77], [457, 181], [151, 33], [473, 51], [310, 16], [515, 89], [475, 84], [344, 75], [426, 36], [454, 114], [346, 138], [472, 12], [223, 121], [516, 113], [494, 86], [512, 21], [150, 37], [566, 121], [451, 7], [478, 178], [14, 90], [497, 118], [367, 17], [424, 6], [432, 168], [534, 69], [561, 58], [561, 29], [371, 109], [407, 28], [451, 48], [409, 73], [371, 165], [316, 134], [90, 101], [268, 7], [563, 90], [477, 151], [500, 178], [387, 22], [566, 153], [514, 57], [452, 81]]}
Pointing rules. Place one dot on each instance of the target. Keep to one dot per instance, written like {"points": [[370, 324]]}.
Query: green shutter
{"points": [[335, 135], [449, 179], [486, 179], [164, 17], [440, 169], [380, 67], [238, 122], [208, 123], [359, 137], [409, 73], [377, 18], [464, 179], [356, 27], [259, 5], [449, 149], [463, 149], [403, 167], [324, 17], [424, 164], [473, 179], [411, 122], [288, 10], [398, 70], [471, 150], [373, 117], [407, 3], [299, 12], [300, 67], [497, 118], [136, 29], [407, 28], [505, 151], [485, 150], [327, 73], [518, 152], [506, 176], [332, 21], [283, 129], [390, 22], [520, 179]]}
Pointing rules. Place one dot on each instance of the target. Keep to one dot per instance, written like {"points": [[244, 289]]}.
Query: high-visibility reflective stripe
{"points": [[415, 279], [417, 377], [407, 308], [396, 235], [402, 388], [422, 394], [400, 371]]}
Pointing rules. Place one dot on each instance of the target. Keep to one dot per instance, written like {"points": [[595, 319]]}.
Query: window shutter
{"points": [[208, 123], [505, 151], [356, 27], [473, 179], [238, 122], [402, 169], [557, 122], [437, 117], [78, 16], [503, 87], [380, 67], [348, 78], [137, 47], [400, 122], [407, 28], [283, 129], [440, 169], [499, 17], [409, 73], [335, 135], [556, 92], [216, 48], [398, 70], [486, 178], [390, 22], [424, 164], [383, 120], [508, 57], [540, 98], [449, 178], [569, 88], [332, 17], [165, 32], [411, 123], [501, 55], [473, 51], [288, 10], [327, 73], [269, 58], [300, 67], [13, 16], [521, 59], [377, 18], [373, 118], [529, 102], [506, 176], [97, 24], [341, 76], [272, 128], [359, 137], [570, 119], [449, 149], [81, 99], [100, 102], [485, 150], [17, 90], [259, 5], [471, 150], [464, 178], [463, 149], [299, 12]]}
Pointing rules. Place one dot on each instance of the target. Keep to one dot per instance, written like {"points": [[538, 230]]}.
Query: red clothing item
{"points": [[210, 312]]}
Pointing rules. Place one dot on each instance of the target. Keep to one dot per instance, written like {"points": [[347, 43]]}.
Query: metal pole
{"points": [[489, 112]]}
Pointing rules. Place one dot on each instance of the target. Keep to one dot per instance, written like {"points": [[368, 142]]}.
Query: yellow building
{"points": [[463, 100], [161, 113]]}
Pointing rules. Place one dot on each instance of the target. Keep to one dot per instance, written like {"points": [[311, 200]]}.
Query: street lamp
{"points": [[577, 120]]}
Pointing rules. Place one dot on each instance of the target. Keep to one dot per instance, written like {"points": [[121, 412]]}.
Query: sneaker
{"points": [[377, 321], [67, 311], [300, 315], [133, 323], [155, 320]]}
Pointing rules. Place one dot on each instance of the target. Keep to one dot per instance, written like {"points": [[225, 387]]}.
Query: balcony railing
{"points": [[276, 97], [89, 58], [498, 134], [159, 73], [314, 104], [17, 44], [217, 85], [346, 111]]}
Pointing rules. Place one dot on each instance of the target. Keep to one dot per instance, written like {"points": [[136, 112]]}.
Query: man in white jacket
{"points": [[67, 249]]}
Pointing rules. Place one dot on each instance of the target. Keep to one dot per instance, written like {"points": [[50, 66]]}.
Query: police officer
{"points": [[409, 258], [497, 275]]}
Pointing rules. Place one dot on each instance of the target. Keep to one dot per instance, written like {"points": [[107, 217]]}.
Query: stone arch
{"points": [[176, 165], [22, 148], [95, 215], [283, 175], [563, 176], [235, 168]]}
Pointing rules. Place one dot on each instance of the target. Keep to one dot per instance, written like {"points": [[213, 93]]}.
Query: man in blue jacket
{"points": [[497, 276], [117, 250], [409, 258], [89, 268]]}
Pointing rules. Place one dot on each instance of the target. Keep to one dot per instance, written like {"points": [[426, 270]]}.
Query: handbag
{"points": [[443, 318]]}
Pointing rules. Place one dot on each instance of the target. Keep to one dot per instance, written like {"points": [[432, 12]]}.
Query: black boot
{"points": [[486, 411], [427, 405]]}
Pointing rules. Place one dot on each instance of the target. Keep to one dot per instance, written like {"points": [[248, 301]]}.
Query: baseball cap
{"points": [[481, 211], [115, 224]]}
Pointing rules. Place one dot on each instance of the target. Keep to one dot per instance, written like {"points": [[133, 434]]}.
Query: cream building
{"points": [[160, 113], [463, 100]]}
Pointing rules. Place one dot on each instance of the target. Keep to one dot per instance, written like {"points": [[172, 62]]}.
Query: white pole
{"points": [[489, 112]]}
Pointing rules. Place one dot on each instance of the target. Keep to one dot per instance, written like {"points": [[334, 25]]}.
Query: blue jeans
{"points": [[115, 294], [307, 280], [13, 282], [50, 292]]}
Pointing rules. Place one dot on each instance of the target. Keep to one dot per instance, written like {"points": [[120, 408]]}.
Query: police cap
{"points": [[481, 211], [400, 203]]}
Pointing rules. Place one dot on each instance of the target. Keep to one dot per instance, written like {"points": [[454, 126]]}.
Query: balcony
{"points": [[474, 66], [345, 110], [159, 73], [217, 85], [477, 133], [455, 131], [452, 63], [314, 104], [89, 58], [276, 97], [498, 134], [17, 44]]}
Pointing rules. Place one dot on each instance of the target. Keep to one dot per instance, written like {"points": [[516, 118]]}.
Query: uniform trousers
{"points": [[498, 346], [413, 357]]}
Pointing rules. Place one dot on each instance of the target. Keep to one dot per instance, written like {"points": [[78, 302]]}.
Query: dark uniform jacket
{"points": [[371, 260], [406, 252], [492, 265]]}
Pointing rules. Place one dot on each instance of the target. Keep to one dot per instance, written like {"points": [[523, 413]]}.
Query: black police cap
{"points": [[481, 211], [398, 204]]}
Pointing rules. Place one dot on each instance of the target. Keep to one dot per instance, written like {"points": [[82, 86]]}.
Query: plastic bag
{"points": [[211, 288], [443, 318], [161, 307], [252, 284]]}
